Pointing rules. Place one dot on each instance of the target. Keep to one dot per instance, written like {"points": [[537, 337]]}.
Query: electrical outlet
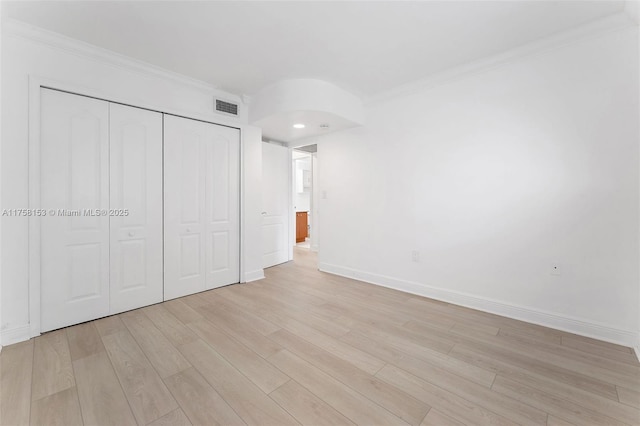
{"points": [[415, 256], [555, 269]]}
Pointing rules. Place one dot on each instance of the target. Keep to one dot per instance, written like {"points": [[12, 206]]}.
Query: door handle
{"points": [[264, 213]]}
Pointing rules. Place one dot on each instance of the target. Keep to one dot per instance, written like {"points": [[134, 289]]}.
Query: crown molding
{"points": [[15, 28], [616, 22]]}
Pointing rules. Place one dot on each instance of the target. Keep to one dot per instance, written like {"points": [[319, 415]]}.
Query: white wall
{"points": [[495, 177], [1, 204], [634, 11], [302, 199], [29, 53]]}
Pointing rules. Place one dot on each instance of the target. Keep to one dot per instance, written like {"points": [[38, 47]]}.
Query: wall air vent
{"points": [[226, 107]]}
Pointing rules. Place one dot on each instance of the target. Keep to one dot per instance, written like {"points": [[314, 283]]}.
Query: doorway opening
{"points": [[289, 202], [304, 196]]}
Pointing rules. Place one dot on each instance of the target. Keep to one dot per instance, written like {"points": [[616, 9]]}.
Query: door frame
{"points": [[36, 83], [292, 211], [293, 220], [313, 207]]}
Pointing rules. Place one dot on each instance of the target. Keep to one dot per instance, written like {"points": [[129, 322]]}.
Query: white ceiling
{"points": [[279, 126], [364, 47]]}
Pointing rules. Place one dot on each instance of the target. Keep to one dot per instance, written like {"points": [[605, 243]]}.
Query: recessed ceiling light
{"points": [[298, 126]]}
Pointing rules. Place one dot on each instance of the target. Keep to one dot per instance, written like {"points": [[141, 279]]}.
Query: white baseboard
{"points": [[15, 335], [547, 319], [254, 275]]}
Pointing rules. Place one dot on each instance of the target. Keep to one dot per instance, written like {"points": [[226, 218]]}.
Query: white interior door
{"points": [[74, 180], [136, 204], [222, 208], [201, 204], [276, 162]]}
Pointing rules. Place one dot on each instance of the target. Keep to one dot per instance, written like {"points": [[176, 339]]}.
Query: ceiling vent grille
{"points": [[226, 107]]}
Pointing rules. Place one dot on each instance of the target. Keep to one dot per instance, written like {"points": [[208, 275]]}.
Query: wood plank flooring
{"points": [[305, 347]]}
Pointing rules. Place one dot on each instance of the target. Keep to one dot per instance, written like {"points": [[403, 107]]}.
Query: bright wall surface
{"points": [[302, 200], [1, 40], [494, 179], [634, 9], [29, 53]]}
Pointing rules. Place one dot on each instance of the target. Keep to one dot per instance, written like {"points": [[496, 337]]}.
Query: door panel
{"points": [[136, 187], [131, 261], [219, 251], [201, 206], [184, 190], [84, 275], [190, 259], [223, 207], [74, 176], [276, 162], [191, 169]]}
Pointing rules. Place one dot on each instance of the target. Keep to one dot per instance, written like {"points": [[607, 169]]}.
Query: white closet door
{"points": [[136, 204], [201, 172], [74, 176], [222, 209], [184, 178]]}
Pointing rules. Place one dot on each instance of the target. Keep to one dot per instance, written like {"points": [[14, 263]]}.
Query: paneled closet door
{"points": [[136, 207], [74, 181], [222, 209], [201, 204]]}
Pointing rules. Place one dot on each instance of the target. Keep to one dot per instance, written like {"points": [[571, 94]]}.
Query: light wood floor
{"points": [[304, 347]]}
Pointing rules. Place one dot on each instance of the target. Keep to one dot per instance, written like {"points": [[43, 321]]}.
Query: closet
{"points": [[101, 185], [202, 206]]}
